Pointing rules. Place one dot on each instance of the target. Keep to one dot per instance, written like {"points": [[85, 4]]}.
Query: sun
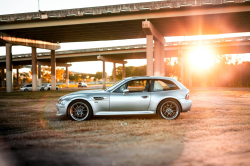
{"points": [[201, 57]]}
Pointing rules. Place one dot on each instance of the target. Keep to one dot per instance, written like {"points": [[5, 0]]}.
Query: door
{"points": [[137, 99], [29, 87]]}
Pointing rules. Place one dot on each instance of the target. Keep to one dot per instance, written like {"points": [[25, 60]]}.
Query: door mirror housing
{"points": [[125, 91]]}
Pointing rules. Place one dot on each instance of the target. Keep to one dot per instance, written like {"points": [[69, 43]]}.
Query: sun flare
{"points": [[201, 57]]}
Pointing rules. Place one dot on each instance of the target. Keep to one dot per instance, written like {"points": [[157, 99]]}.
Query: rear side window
{"points": [[164, 85], [30, 85]]}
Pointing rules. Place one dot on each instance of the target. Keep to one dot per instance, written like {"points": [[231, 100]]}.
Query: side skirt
{"points": [[124, 112]]}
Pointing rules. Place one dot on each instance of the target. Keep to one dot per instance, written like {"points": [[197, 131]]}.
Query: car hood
{"points": [[82, 93]]}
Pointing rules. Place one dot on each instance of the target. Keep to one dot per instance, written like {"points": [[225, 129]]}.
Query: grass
{"points": [[28, 124]]}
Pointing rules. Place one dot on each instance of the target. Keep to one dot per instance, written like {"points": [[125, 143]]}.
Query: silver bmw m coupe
{"points": [[163, 96]]}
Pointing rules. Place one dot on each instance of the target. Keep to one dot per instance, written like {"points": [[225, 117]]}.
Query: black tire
{"points": [[56, 88], [42, 89], [48, 88], [169, 109], [26, 90], [85, 110]]}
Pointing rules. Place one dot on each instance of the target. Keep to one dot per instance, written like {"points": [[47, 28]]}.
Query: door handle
{"points": [[144, 97]]}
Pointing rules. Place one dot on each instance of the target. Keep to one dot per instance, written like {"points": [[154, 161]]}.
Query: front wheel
{"points": [[169, 109], [26, 90], [80, 110]]}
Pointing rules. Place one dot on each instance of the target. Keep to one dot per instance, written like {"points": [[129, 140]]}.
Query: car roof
{"points": [[150, 77]]}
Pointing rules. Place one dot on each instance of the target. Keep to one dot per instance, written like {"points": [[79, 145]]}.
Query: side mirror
{"points": [[125, 91]]}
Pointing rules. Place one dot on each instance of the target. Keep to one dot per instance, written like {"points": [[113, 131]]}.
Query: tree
{"points": [[59, 74], [24, 77], [98, 75]]}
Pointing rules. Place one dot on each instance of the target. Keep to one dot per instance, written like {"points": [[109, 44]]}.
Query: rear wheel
{"points": [[169, 109], [80, 110]]}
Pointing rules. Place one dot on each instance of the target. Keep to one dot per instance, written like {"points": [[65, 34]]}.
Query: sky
{"points": [[24, 6]]}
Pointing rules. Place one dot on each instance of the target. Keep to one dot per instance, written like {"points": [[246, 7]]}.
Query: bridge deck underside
{"points": [[172, 26]]}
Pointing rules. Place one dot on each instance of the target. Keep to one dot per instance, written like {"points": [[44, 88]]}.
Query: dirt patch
{"points": [[215, 132]]}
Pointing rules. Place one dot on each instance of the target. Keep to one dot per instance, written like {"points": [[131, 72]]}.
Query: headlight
{"points": [[61, 101]]}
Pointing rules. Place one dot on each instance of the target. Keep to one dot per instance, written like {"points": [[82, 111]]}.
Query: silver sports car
{"points": [[131, 96]]}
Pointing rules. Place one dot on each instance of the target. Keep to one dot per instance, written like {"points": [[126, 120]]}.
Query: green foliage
{"points": [[130, 71]]}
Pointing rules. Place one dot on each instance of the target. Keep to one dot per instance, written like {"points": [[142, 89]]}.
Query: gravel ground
{"points": [[215, 132]]}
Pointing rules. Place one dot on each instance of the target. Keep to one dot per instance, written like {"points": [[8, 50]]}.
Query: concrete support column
{"points": [[181, 61], [67, 77], [162, 56], [39, 76], [3, 78], [149, 55], [17, 77], [34, 69], [53, 70], [103, 75], [186, 72], [157, 58], [114, 73], [123, 71], [190, 77], [9, 66]]}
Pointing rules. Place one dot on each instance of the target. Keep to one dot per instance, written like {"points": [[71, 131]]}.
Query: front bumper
{"points": [[186, 105], [61, 110]]}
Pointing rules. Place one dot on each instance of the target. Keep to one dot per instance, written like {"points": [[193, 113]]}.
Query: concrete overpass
{"points": [[233, 45], [152, 20]]}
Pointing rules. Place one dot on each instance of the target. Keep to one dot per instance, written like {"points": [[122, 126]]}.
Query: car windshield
{"points": [[44, 85], [114, 85]]}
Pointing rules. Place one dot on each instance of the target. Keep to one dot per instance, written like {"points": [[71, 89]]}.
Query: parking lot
{"points": [[215, 132]]}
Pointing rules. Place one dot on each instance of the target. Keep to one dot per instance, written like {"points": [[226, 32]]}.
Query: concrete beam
{"points": [[149, 29], [9, 67], [28, 42], [15, 66], [111, 60], [49, 64], [125, 17]]}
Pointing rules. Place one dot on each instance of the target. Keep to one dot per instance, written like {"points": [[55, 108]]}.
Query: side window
{"points": [[121, 88], [30, 85], [138, 86], [164, 85], [134, 86]]}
